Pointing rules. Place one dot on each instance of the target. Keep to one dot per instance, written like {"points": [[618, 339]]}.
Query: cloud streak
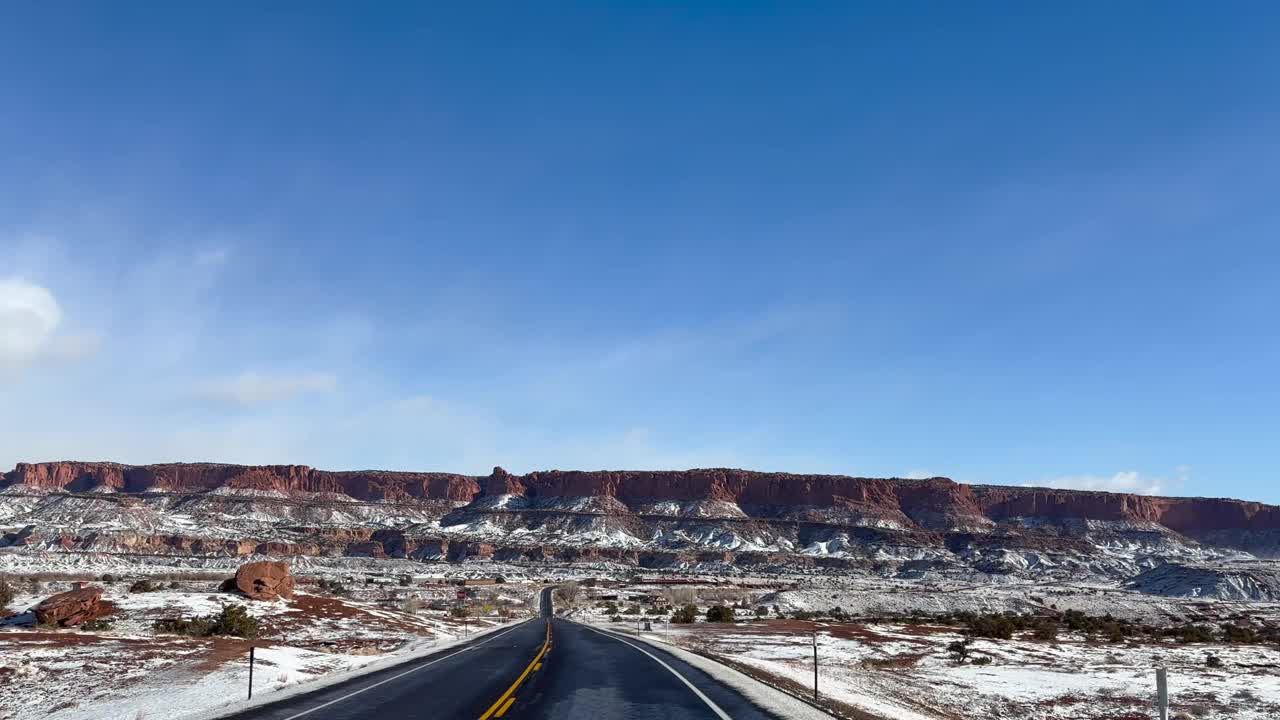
{"points": [[1128, 481], [250, 389]]}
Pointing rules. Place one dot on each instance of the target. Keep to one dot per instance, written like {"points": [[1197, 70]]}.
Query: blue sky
{"points": [[990, 241]]}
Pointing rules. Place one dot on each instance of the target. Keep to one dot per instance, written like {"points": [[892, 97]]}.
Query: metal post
{"points": [[251, 649], [1162, 693], [815, 663]]}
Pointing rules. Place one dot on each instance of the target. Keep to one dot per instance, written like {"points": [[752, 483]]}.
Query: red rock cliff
{"points": [[936, 502], [187, 477]]}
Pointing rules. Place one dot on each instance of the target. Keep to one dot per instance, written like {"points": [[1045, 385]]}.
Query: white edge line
{"points": [[714, 707], [406, 672]]}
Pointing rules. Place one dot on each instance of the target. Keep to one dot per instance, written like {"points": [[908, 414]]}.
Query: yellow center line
{"points": [[501, 705], [505, 706]]}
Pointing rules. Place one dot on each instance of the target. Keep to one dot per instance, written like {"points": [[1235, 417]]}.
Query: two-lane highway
{"points": [[545, 668]]}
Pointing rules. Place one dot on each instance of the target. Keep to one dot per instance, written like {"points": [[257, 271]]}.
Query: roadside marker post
{"points": [[815, 663], [1162, 692], [251, 649]]}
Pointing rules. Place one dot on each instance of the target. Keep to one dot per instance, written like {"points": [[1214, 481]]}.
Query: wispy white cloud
{"points": [[251, 388], [1128, 481], [30, 318]]}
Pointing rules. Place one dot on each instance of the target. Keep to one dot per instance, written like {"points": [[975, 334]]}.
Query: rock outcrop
{"points": [[188, 477], [931, 503], [652, 518], [265, 580], [70, 608]]}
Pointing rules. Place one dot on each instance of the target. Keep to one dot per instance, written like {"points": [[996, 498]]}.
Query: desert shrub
{"points": [[685, 615], [1115, 632], [499, 580], [233, 620], [199, 626], [762, 611], [144, 586], [1000, 627], [615, 618], [959, 650], [719, 613], [632, 610], [610, 607], [96, 625], [1194, 634], [1213, 661], [173, 585], [1239, 633], [657, 611], [6, 593], [107, 577], [984, 660], [1045, 630], [405, 581], [333, 587]]}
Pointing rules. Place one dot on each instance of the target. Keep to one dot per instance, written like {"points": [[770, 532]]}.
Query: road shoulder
{"points": [[328, 681], [767, 698]]}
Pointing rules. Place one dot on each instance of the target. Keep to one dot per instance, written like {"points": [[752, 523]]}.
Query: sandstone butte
{"points": [[915, 501]]}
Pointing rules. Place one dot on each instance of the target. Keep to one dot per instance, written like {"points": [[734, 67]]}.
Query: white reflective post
{"points": [[1162, 693]]}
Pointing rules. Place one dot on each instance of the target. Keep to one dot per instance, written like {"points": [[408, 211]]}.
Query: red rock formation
{"points": [[70, 608], [934, 504], [179, 477], [72, 476], [265, 580], [502, 482]]}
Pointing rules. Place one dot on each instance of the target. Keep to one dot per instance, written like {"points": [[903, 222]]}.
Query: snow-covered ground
{"points": [[896, 668], [861, 597], [1025, 678], [902, 670], [131, 672]]}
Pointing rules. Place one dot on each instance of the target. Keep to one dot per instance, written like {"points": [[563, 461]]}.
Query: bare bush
{"points": [[567, 593]]}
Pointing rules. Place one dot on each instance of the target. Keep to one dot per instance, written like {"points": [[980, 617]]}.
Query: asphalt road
{"points": [[543, 668]]}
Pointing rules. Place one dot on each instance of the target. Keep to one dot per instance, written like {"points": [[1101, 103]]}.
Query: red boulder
{"points": [[70, 608], [265, 580]]}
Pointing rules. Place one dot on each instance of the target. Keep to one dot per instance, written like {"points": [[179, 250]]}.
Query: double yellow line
{"points": [[504, 703]]}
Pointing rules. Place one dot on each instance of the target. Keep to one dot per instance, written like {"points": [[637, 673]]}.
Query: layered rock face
{"points": [[732, 517], [927, 503], [178, 477]]}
